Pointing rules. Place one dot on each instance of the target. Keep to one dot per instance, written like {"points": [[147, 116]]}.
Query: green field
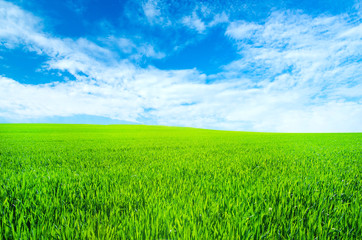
{"points": [[151, 182]]}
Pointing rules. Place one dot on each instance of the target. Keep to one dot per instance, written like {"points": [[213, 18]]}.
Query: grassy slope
{"points": [[148, 182]]}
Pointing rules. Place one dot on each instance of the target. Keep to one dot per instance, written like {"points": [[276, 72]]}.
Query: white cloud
{"points": [[218, 19], [151, 10], [154, 13], [194, 22], [135, 50], [149, 51], [242, 30], [204, 22], [126, 45], [330, 117], [295, 73], [199, 19], [65, 99], [316, 60]]}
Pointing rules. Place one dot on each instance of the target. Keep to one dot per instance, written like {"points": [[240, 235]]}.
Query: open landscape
{"points": [[169, 119], [153, 182]]}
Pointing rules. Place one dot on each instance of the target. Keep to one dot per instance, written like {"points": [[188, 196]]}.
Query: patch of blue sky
{"points": [[208, 55], [28, 67], [74, 18], [332, 7], [188, 103]]}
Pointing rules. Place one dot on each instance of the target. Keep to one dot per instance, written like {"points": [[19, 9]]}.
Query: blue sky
{"points": [[280, 66]]}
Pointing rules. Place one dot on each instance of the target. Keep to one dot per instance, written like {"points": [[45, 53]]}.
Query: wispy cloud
{"points": [[154, 12], [315, 61], [194, 22], [295, 73], [198, 18], [240, 30], [202, 18], [134, 50]]}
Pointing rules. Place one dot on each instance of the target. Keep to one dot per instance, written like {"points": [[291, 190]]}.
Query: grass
{"points": [[148, 182]]}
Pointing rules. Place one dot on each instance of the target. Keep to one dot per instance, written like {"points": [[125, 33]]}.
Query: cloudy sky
{"points": [[280, 66]]}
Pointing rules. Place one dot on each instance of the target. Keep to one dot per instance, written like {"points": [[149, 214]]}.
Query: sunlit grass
{"points": [[148, 182]]}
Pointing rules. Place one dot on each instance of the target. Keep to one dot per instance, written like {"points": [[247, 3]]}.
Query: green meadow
{"points": [[153, 182]]}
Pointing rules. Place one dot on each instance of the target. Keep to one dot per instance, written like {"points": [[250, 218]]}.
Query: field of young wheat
{"points": [[150, 182]]}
